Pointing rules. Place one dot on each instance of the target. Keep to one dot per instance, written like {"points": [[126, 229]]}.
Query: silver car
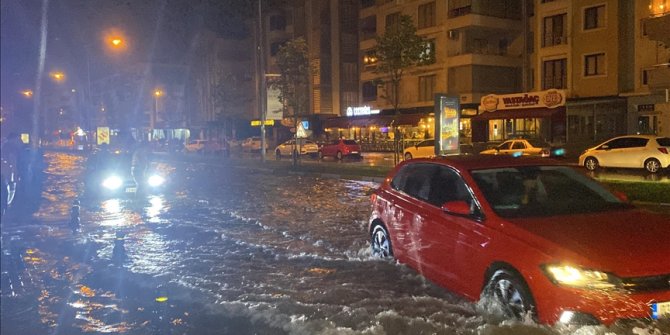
{"points": [[304, 147]]}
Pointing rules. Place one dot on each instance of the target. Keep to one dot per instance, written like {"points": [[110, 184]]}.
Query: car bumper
{"points": [[567, 305]]}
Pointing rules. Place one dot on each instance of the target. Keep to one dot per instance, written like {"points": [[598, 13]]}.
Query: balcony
{"points": [[657, 28], [477, 20], [659, 77], [483, 57]]}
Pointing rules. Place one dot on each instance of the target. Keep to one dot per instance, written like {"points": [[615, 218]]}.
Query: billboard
{"points": [[446, 125], [275, 109]]}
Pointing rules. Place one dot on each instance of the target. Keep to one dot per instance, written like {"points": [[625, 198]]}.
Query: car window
{"points": [[636, 142], [534, 191], [414, 180], [505, 146], [519, 145], [447, 185], [615, 144], [427, 143], [336, 142], [349, 142], [663, 141], [537, 143]]}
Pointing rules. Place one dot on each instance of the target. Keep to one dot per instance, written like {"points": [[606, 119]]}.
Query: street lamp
{"points": [[157, 94], [27, 93], [57, 76]]}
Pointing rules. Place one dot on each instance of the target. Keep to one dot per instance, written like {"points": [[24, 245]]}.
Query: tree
{"points": [[398, 49], [293, 82]]}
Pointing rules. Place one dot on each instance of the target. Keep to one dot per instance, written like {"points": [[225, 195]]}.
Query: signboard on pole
{"points": [[447, 120], [275, 109], [102, 135]]}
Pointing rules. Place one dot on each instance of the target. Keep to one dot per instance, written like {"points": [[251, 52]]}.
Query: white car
{"points": [[253, 144], [422, 149], [633, 151], [195, 146], [305, 147]]}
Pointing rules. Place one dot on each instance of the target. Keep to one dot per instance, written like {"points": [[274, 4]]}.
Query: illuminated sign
{"points": [[257, 123], [102, 135], [447, 120], [358, 111], [547, 99]]}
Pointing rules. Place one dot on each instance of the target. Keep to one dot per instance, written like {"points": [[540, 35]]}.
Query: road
{"points": [[222, 251]]}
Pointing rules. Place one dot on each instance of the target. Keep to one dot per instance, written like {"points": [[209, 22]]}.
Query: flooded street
{"points": [[222, 252]]}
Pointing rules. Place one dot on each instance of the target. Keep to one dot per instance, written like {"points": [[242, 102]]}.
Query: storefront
{"points": [[534, 115]]}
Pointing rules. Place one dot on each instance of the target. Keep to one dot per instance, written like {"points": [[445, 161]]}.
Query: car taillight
{"points": [[373, 197], [663, 150]]}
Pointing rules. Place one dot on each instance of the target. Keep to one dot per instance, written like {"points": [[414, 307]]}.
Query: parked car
{"points": [[420, 150], [195, 146], [528, 235], [252, 144], [207, 147], [340, 148], [525, 147], [634, 151], [304, 146]]}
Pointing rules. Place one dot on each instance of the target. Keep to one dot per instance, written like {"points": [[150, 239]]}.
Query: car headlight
{"points": [[572, 276], [112, 182], [155, 180]]}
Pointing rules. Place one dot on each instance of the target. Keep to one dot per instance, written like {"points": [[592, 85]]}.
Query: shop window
{"points": [[427, 88], [554, 74], [594, 65], [594, 17], [426, 15], [554, 32]]}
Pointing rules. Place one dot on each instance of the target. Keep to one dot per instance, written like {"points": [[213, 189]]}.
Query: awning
{"points": [[374, 120], [519, 113]]}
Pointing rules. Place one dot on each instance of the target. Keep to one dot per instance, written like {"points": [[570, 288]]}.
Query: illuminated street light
{"points": [[157, 94], [57, 75], [27, 93], [116, 41]]}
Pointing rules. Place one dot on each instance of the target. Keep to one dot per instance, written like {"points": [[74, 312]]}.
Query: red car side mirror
{"points": [[621, 196], [458, 207]]}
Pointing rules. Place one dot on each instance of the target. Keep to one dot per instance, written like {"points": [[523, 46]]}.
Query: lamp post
{"points": [[157, 94]]}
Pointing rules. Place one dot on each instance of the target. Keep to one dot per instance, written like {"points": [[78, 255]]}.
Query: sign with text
{"points": [[543, 99], [446, 125], [257, 123], [363, 110], [102, 135]]}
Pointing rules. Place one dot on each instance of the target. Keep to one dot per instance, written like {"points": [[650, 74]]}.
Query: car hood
{"points": [[627, 242]]}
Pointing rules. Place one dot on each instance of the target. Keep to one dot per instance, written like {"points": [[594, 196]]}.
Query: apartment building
{"points": [[330, 28]]}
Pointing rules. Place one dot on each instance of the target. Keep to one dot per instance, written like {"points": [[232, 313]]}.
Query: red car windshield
{"points": [[349, 142], [534, 191]]}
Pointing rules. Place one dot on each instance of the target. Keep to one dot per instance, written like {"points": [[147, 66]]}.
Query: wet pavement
{"points": [[221, 251]]}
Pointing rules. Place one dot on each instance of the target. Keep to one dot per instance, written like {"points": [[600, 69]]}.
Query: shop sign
{"points": [[358, 111], [446, 125], [547, 99], [257, 123]]}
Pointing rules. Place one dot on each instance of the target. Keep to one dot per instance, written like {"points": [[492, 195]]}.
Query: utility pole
{"points": [[262, 85]]}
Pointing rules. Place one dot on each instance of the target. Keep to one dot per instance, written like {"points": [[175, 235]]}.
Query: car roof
{"points": [[475, 162]]}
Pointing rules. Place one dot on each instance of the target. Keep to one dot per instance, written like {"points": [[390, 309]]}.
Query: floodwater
{"points": [[223, 252]]}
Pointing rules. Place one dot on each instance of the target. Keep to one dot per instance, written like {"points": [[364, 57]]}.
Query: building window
{"points": [[427, 88], [594, 65], [554, 74], [274, 47], [554, 30], [369, 91], [426, 15], [369, 59], [392, 20], [645, 77], [367, 3], [459, 7], [594, 17], [368, 27], [428, 54], [277, 22]]}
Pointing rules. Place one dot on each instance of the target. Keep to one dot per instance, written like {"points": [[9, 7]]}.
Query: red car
{"points": [[529, 235], [340, 148]]}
